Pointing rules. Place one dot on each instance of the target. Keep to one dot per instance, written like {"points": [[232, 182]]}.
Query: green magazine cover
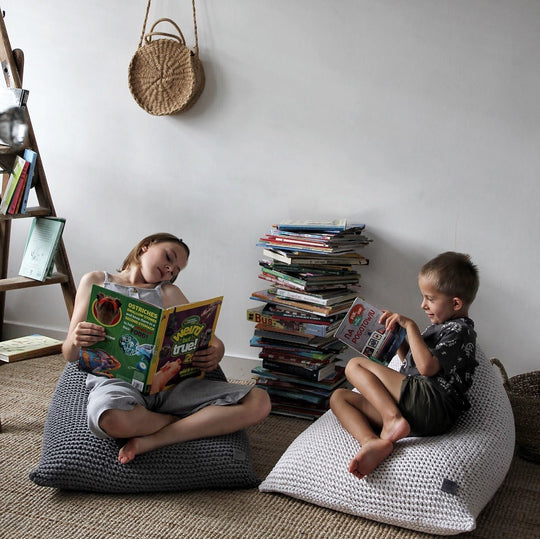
{"points": [[146, 346]]}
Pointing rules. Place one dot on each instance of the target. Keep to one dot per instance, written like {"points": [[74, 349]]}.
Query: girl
{"points": [[195, 408]]}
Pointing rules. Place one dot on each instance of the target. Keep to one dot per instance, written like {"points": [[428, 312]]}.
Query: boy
{"points": [[428, 394]]}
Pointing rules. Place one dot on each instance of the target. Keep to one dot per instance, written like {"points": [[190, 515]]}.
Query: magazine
{"points": [[149, 347], [360, 329]]}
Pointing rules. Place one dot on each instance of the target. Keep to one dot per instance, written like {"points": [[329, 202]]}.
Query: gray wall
{"points": [[420, 119]]}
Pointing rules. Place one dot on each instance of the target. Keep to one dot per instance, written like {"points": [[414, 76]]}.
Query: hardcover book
{"points": [[360, 329], [11, 186], [28, 347], [31, 157], [146, 346]]}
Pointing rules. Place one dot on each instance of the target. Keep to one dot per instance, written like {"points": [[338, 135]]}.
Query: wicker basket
{"points": [[524, 393], [165, 76]]}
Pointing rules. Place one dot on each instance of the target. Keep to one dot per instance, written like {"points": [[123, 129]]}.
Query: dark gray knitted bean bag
{"points": [[74, 459]]}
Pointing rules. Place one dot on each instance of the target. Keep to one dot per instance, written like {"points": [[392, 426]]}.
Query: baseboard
{"points": [[13, 330]]}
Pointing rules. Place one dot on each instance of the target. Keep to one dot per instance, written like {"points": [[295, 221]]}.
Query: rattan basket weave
{"points": [[524, 393], [165, 76]]}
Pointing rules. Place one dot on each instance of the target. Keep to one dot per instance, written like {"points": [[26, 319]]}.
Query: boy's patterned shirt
{"points": [[453, 343]]}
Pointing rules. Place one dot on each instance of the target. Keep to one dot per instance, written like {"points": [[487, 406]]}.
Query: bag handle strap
{"points": [[179, 37], [171, 35]]}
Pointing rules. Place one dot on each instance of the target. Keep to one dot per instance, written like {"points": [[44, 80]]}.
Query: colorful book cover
{"points": [[146, 346], [360, 329]]}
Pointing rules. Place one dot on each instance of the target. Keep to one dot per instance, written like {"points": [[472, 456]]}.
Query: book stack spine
{"points": [[312, 273]]}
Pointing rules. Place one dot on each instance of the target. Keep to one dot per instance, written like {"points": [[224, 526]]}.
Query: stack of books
{"points": [[313, 271]]}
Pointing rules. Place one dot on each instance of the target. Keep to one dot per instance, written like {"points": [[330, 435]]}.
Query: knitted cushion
{"points": [[437, 484], [73, 458]]}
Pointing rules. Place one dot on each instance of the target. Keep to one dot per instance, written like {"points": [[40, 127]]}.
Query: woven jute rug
{"points": [[28, 510]]}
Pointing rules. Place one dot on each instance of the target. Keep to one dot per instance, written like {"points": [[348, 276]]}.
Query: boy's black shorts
{"points": [[428, 410]]}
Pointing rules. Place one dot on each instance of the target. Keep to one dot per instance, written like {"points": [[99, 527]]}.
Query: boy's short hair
{"points": [[454, 275]]}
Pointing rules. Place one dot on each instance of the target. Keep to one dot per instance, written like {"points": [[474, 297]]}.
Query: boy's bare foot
{"points": [[372, 453], [395, 430]]}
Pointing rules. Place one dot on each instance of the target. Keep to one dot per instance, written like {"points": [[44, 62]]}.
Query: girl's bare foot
{"points": [[129, 451], [395, 430], [372, 453]]}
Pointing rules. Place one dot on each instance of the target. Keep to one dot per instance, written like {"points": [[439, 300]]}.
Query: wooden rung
{"points": [[15, 283]]}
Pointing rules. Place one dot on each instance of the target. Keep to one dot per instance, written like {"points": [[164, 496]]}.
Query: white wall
{"points": [[420, 119]]}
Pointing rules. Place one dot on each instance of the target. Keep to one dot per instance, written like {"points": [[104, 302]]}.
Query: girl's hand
{"points": [[208, 359], [85, 334]]}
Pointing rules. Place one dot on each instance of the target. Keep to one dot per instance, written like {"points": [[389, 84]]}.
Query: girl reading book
{"points": [[195, 408]]}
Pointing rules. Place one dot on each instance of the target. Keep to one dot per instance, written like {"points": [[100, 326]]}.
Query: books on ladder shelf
{"points": [[41, 247], [17, 189], [313, 272]]}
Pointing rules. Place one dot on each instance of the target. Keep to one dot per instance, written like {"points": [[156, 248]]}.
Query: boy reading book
{"points": [[429, 393]]}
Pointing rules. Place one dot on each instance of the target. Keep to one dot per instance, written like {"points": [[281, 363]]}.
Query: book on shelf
{"points": [[296, 322], [292, 337], [306, 259], [146, 346], [294, 382], [330, 225], [16, 199], [326, 298], [307, 281], [330, 346], [41, 247], [297, 355], [360, 329], [310, 372], [31, 157], [322, 310], [28, 347], [11, 186]]}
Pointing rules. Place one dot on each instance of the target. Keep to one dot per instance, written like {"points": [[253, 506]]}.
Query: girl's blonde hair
{"points": [[160, 237]]}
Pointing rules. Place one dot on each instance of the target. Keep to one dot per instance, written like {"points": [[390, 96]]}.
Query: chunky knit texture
{"points": [[436, 485]]}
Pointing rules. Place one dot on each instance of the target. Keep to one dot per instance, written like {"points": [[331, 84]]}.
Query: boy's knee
{"points": [[353, 364], [337, 397]]}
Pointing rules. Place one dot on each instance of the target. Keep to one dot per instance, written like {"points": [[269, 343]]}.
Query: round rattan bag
{"points": [[165, 76]]}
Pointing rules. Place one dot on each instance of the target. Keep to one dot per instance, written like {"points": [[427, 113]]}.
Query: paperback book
{"points": [[41, 247], [146, 346], [361, 330], [28, 347]]}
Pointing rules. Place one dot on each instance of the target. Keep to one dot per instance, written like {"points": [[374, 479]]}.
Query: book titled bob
{"points": [[360, 329], [146, 346]]}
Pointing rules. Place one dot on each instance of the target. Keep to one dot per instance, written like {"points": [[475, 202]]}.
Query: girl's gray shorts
{"points": [[182, 400]]}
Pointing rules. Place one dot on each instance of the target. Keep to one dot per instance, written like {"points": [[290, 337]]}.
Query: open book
{"points": [[360, 329], [149, 347]]}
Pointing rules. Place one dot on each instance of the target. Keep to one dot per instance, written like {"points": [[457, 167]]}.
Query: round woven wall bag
{"points": [[165, 76]]}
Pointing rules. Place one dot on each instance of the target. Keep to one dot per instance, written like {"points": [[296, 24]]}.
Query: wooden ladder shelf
{"points": [[12, 62]]}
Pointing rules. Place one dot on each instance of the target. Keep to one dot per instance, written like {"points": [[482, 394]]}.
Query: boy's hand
{"points": [[390, 319]]}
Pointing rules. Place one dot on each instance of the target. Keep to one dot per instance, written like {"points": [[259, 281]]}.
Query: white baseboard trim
{"points": [[12, 330]]}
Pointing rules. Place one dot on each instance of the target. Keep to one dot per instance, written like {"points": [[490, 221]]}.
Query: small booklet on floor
{"points": [[360, 329], [149, 347]]}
